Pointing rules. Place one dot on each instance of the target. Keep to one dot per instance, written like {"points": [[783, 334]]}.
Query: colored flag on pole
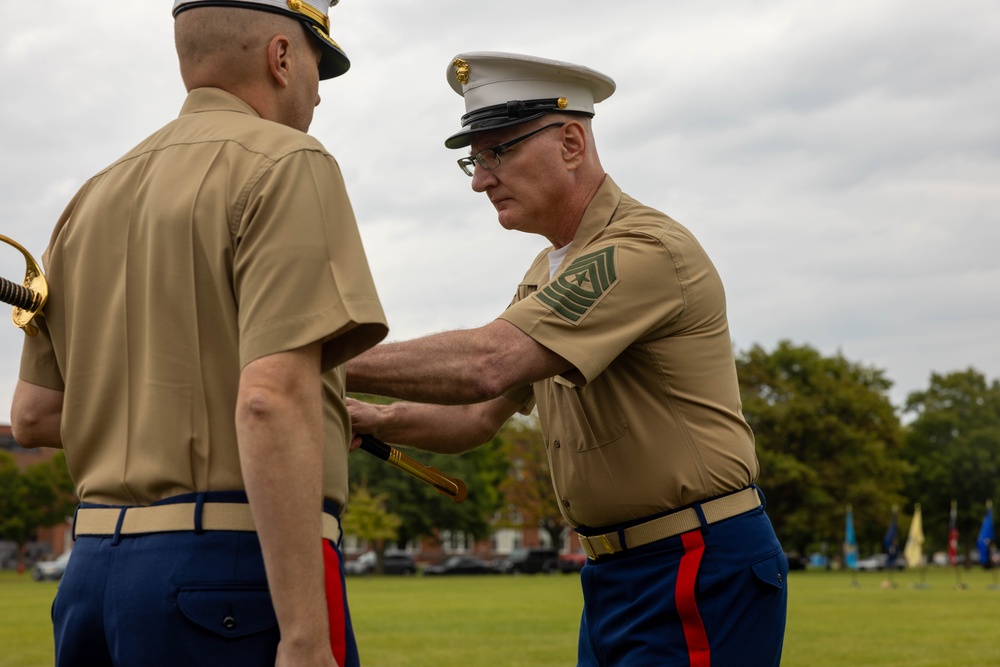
{"points": [[914, 550], [850, 542], [891, 540], [953, 535], [986, 536]]}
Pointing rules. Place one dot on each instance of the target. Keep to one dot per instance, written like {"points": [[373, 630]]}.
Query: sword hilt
{"points": [[452, 487], [16, 295], [28, 297]]}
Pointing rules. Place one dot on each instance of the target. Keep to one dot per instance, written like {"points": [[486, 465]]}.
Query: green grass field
{"points": [[531, 621]]}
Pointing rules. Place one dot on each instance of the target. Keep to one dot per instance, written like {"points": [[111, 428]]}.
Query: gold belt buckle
{"points": [[589, 549]]}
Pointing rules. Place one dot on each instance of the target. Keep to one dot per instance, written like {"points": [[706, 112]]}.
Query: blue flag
{"points": [[986, 537], [850, 542], [891, 540]]}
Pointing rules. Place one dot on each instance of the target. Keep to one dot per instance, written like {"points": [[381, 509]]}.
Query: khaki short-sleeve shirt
{"points": [[639, 310], [220, 239]]}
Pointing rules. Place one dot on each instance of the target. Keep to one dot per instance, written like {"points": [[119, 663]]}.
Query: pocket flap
{"points": [[772, 570], [228, 611]]}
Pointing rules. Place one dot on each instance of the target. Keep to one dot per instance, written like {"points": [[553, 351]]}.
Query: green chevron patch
{"points": [[580, 286]]}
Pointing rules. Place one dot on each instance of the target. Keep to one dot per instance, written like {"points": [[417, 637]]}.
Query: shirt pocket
{"points": [[589, 417]]}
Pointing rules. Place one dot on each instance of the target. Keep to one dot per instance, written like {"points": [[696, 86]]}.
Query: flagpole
{"points": [[985, 544], [953, 546], [851, 548], [891, 551]]}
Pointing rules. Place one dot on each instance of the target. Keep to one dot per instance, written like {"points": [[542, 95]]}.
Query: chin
{"points": [[508, 220]]}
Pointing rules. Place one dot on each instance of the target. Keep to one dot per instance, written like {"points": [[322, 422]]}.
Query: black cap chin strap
{"points": [[512, 110]]}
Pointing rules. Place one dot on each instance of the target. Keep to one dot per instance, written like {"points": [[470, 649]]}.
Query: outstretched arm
{"points": [[455, 367]]}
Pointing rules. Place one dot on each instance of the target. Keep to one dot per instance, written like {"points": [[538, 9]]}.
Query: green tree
{"points": [[41, 496], [424, 511], [826, 436], [367, 518], [13, 517], [953, 444], [527, 489]]}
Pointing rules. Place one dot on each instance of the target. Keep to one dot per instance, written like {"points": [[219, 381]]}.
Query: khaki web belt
{"points": [[95, 521], [670, 525]]}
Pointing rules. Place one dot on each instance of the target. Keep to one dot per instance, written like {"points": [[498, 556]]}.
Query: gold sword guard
{"points": [[35, 281]]}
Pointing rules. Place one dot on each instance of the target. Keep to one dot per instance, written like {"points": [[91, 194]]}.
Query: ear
{"points": [[279, 54], [574, 145]]}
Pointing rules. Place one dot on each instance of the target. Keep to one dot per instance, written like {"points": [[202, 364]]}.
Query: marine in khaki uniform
{"points": [[205, 291], [618, 333]]}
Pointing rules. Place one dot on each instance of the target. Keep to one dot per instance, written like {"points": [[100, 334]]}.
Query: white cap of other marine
{"points": [[504, 89], [312, 13]]}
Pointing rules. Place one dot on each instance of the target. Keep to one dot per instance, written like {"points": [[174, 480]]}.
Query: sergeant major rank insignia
{"points": [[581, 285]]}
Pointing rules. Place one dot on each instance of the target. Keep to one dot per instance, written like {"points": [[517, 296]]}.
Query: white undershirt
{"points": [[555, 259]]}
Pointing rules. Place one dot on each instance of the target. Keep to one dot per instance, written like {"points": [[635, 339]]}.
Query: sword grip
{"points": [[16, 295]]}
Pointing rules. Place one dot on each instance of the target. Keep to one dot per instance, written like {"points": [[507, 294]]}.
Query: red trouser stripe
{"points": [[335, 602], [687, 606]]}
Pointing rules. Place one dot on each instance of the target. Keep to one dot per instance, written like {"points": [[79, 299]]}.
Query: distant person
{"points": [[205, 291], [618, 333]]}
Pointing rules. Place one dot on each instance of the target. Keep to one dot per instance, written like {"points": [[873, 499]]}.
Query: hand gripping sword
{"points": [[29, 297]]}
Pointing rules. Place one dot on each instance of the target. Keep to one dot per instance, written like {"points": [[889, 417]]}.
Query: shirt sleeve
{"points": [[38, 359], [609, 297], [300, 271]]}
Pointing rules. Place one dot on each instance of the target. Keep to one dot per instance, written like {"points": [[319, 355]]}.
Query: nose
{"points": [[482, 178]]}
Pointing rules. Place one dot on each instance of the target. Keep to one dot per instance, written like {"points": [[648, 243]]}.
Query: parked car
{"points": [[880, 561], [51, 570], [529, 561], [796, 561], [572, 562], [392, 563], [460, 565]]}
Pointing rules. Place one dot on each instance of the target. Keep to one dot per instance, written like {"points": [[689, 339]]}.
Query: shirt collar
{"points": [[214, 99]]}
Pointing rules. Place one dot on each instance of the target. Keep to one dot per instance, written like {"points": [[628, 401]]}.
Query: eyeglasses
{"points": [[490, 157]]}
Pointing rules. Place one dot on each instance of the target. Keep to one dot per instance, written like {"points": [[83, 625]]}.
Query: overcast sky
{"points": [[839, 161]]}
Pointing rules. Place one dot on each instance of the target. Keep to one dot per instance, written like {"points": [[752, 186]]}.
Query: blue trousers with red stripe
{"points": [[181, 598], [716, 596]]}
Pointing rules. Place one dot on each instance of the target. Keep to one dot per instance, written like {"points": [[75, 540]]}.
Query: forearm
{"points": [[455, 367], [448, 368], [36, 415], [280, 431], [446, 429]]}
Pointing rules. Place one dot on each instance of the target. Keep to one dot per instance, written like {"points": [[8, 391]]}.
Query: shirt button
{"points": [[556, 443], [565, 503]]}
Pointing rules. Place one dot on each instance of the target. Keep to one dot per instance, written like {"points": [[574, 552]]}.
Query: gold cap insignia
{"points": [[461, 70], [562, 102]]}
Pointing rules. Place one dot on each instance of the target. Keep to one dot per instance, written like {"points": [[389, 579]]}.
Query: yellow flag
{"points": [[914, 550]]}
